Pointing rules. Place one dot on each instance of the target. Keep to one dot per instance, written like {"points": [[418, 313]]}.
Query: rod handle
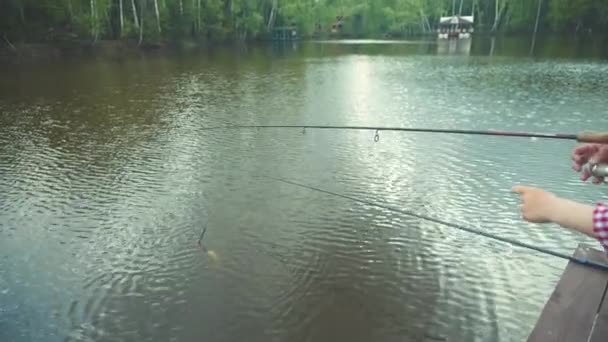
{"points": [[591, 137]]}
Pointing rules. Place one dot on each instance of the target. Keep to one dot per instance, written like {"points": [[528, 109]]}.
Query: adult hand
{"points": [[589, 153]]}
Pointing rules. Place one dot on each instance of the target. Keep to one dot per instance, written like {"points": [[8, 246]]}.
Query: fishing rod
{"points": [[581, 261], [583, 137], [597, 170]]}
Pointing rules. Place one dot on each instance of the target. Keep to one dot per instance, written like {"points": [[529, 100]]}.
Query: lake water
{"points": [[108, 176]]}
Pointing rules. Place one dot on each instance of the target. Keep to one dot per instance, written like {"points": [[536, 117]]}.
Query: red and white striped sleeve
{"points": [[600, 224]]}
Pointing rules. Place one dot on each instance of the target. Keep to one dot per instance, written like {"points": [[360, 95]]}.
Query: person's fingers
{"points": [[582, 154], [598, 180], [579, 161], [601, 156], [578, 157], [585, 175], [585, 151], [520, 189]]}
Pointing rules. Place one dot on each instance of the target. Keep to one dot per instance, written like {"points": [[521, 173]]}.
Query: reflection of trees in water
{"points": [[368, 47], [94, 108], [454, 46], [376, 276], [540, 46]]}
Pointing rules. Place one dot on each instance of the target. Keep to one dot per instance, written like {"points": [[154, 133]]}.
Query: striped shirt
{"points": [[600, 224]]}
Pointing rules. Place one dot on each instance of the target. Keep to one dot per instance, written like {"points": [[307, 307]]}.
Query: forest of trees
{"points": [[225, 20]]}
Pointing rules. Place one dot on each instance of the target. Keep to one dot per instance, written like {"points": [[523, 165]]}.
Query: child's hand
{"points": [[537, 205], [593, 153]]}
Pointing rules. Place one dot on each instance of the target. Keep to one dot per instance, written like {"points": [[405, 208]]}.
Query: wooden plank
{"points": [[600, 330], [570, 311]]}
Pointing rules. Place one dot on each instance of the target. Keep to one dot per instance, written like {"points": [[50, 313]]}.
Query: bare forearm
{"points": [[574, 215]]}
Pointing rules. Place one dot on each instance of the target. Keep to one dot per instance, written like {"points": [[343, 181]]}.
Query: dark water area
{"points": [[108, 176]]}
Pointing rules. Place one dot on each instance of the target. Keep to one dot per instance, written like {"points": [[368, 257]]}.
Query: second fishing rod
{"points": [[480, 232]]}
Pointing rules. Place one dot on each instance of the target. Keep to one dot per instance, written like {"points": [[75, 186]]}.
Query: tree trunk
{"points": [[428, 24], [460, 9], [135, 19], [92, 15], [454, 6], [94, 21], [480, 14], [424, 21], [198, 15], [181, 8], [540, 5], [157, 15], [499, 13], [70, 10], [122, 20], [22, 12], [272, 16], [228, 14], [195, 20], [141, 30]]}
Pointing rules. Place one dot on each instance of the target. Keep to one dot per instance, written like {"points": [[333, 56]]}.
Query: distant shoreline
{"points": [[57, 49], [51, 50], [86, 47]]}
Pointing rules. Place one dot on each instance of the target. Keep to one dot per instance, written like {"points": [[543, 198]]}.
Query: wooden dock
{"points": [[577, 311]]}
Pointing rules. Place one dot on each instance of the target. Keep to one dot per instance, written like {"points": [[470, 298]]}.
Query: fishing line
{"points": [[588, 137], [581, 261], [200, 239], [210, 253]]}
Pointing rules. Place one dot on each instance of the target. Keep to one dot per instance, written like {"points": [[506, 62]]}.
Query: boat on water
{"points": [[455, 27]]}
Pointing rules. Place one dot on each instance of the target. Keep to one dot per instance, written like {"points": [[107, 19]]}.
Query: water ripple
{"points": [[109, 179]]}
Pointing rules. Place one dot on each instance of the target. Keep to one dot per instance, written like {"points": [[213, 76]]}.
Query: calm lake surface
{"points": [[108, 176]]}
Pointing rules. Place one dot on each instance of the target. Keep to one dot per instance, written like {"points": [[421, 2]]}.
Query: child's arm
{"points": [[540, 206], [574, 215]]}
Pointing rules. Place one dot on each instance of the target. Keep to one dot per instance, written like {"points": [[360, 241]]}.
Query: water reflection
{"points": [[108, 178], [480, 45], [454, 47]]}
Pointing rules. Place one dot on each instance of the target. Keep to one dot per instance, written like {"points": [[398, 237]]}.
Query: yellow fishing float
{"points": [[213, 256]]}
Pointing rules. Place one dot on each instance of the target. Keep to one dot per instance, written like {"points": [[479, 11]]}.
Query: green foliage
{"points": [[522, 13], [578, 14], [44, 20]]}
